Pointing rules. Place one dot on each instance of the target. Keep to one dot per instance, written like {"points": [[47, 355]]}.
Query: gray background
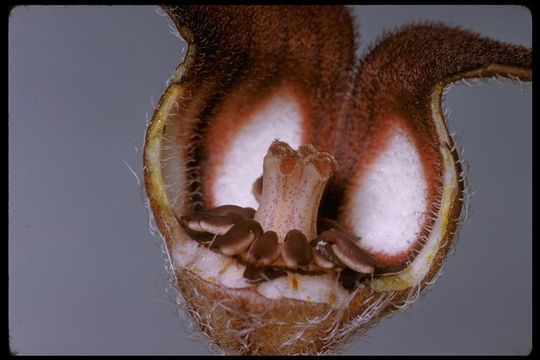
{"points": [[86, 275]]}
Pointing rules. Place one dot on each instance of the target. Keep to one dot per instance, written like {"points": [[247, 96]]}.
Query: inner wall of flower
{"points": [[328, 248]]}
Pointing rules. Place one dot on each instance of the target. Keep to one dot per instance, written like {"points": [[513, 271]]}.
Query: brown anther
{"points": [[253, 275], [256, 188], [203, 222], [202, 227], [349, 256], [265, 249], [296, 250], [350, 279], [324, 256], [238, 238], [198, 236], [249, 213], [321, 261], [348, 252], [215, 221], [257, 274]]}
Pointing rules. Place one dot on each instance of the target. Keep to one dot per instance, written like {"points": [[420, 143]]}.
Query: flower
{"points": [[252, 72]]}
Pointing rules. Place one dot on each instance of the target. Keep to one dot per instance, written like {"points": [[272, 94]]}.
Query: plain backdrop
{"points": [[86, 276]]}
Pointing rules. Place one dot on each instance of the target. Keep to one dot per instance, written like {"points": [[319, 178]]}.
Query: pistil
{"points": [[292, 186]]}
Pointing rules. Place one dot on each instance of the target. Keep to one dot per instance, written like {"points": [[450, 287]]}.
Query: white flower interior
{"points": [[400, 155], [389, 203], [280, 119]]}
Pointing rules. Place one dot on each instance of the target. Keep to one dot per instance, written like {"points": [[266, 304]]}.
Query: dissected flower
{"points": [[304, 195]]}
